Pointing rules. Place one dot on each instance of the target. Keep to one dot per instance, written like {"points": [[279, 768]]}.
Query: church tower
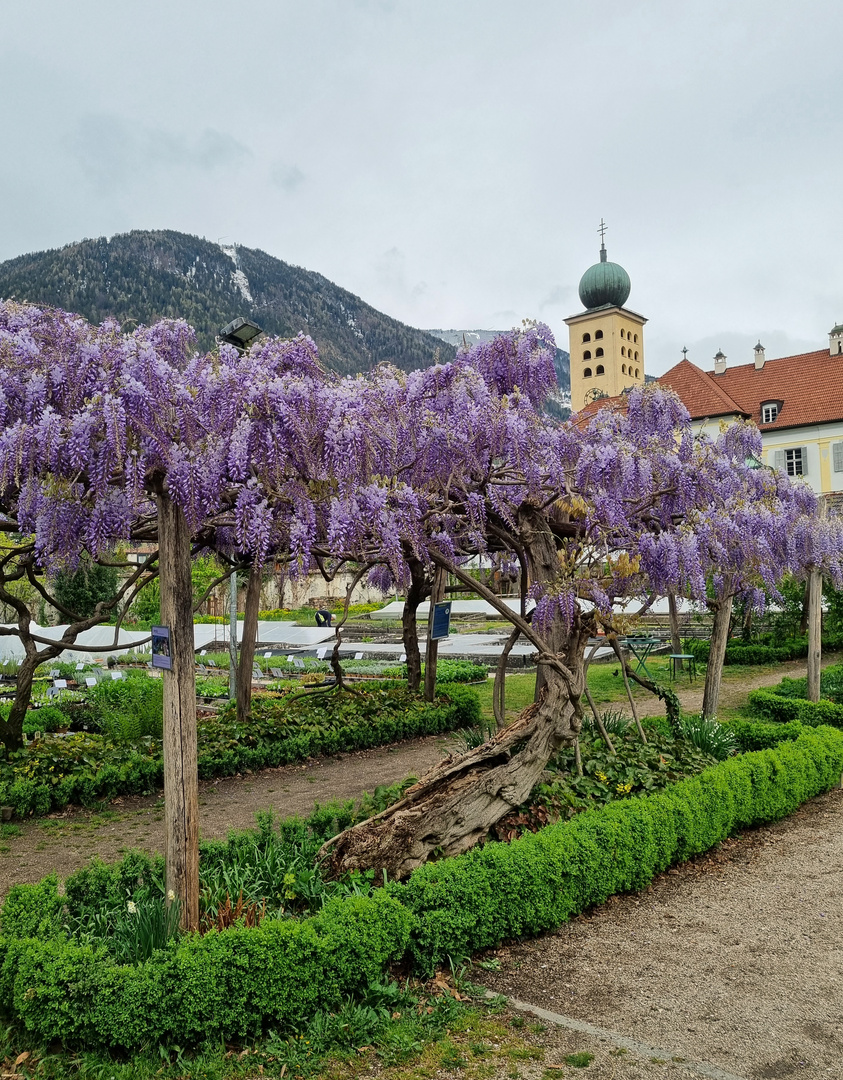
{"points": [[606, 341]]}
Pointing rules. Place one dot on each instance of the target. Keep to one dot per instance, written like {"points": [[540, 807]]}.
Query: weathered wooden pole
{"points": [[437, 593], [181, 780], [247, 644], [815, 615], [675, 637]]}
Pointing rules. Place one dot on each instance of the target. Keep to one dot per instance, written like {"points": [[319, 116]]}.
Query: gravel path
{"points": [[735, 959]]}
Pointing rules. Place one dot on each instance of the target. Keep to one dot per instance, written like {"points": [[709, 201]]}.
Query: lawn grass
{"points": [[606, 685]]}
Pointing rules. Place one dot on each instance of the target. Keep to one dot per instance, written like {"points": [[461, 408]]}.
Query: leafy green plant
{"points": [[708, 736]]}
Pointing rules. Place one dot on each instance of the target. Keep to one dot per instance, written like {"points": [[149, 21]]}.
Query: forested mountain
{"points": [[144, 276]]}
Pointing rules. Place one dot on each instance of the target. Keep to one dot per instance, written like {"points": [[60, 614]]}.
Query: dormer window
{"points": [[769, 412]]}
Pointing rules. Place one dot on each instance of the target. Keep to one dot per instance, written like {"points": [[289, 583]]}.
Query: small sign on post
{"points": [[358, 656], [321, 654], [441, 621], [402, 659], [298, 662], [161, 654]]}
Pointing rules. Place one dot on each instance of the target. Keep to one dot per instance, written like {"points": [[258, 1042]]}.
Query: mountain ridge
{"points": [[145, 275]]}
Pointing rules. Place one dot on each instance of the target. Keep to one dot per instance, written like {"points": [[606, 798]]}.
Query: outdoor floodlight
{"points": [[240, 333]]}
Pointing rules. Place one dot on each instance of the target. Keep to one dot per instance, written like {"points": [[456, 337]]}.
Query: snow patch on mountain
{"points": [[238, 278]]}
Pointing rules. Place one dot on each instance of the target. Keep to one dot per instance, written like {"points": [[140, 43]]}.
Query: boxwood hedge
{"points": [[241, 981]]}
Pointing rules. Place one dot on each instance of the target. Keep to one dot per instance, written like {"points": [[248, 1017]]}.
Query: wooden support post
{"points": [[815, 595], [181, 778], [436, 594]]}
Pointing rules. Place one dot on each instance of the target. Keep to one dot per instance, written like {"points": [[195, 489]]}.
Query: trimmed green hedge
{"points": [[752, 735], [540, 880], [84, 768], [236, 983], [740, 654], [773, 707]]}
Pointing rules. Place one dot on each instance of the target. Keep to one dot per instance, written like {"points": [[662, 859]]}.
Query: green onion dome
{"points": [[604, 285]]}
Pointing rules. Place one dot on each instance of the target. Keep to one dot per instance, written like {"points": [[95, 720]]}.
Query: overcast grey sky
{"points": [[449, 160]]}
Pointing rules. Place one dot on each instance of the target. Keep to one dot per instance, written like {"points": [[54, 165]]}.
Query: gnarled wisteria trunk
{"points": [[417, 591], [456, 803]]}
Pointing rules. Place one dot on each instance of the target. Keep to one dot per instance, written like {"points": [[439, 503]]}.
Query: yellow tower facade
{"points": [[606, 341]]}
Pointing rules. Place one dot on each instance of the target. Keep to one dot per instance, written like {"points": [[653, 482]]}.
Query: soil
{"points": [[66, 841]]}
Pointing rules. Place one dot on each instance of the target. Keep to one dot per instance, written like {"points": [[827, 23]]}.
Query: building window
{"points": [[598, 352], [769, 412], [837, 456], [623, 369], [587, 354], [586, 337], [794, 462], [637, 374], [587, 373], [623, 334], [636, 339], [623, 351], [598, 334], [636, 354], [600, 370]]}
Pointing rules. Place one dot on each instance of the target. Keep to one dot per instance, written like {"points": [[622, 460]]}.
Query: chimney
{"points": [[760, 356], [719, 362]]}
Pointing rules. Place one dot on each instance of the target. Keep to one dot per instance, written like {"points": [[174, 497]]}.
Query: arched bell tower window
{"points": [[586, 337], [587, 373], [623, 333], [623, 369], [587, 354], [600, 370], [623, 351], [598, 352], [636, 354], [598, 334], [637, 374]]}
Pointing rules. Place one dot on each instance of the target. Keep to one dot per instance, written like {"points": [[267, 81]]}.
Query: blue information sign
{"points": [[441, 621]]}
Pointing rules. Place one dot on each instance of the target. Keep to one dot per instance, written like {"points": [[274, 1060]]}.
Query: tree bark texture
{"points": [[12, 730], [431, 655], [458, 801], [716, 655], [419, 589], [181, 783], [247, 644], [815, 615]]}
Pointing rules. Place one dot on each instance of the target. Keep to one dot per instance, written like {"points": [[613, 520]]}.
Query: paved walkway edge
{"points": [[702, 1068]]}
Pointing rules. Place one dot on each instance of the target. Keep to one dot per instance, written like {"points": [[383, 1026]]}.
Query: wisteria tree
{"points": [[630, 504], [106, 434]]}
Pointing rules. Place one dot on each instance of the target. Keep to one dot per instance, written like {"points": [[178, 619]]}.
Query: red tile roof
{"points": [[809, 387]]}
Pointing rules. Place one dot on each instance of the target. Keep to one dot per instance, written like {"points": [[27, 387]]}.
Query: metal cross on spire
{"points": [[602, 231], [685, 353]]}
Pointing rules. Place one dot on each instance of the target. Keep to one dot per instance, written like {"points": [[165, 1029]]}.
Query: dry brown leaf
{"points": [[21, 1058]]}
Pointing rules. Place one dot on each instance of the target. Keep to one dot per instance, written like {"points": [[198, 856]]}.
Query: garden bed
{"points": [[124, 757], [61, 980]]}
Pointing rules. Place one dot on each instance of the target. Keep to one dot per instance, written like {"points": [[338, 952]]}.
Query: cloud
{"points": [[287, 177], [113, 152], [558, 296]]}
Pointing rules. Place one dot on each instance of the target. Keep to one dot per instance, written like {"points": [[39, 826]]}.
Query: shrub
{"points": [[751, 735], [86, 768], [540, 880], [238, 982], [47, 718], [448, 671], [771, 706]]}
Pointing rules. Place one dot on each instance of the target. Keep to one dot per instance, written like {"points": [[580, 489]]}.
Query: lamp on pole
{"points": [[240, 333]]}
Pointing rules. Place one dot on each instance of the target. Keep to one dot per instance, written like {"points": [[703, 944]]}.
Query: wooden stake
{"points": [[440, 578], [181, 779], [815, 614]]}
